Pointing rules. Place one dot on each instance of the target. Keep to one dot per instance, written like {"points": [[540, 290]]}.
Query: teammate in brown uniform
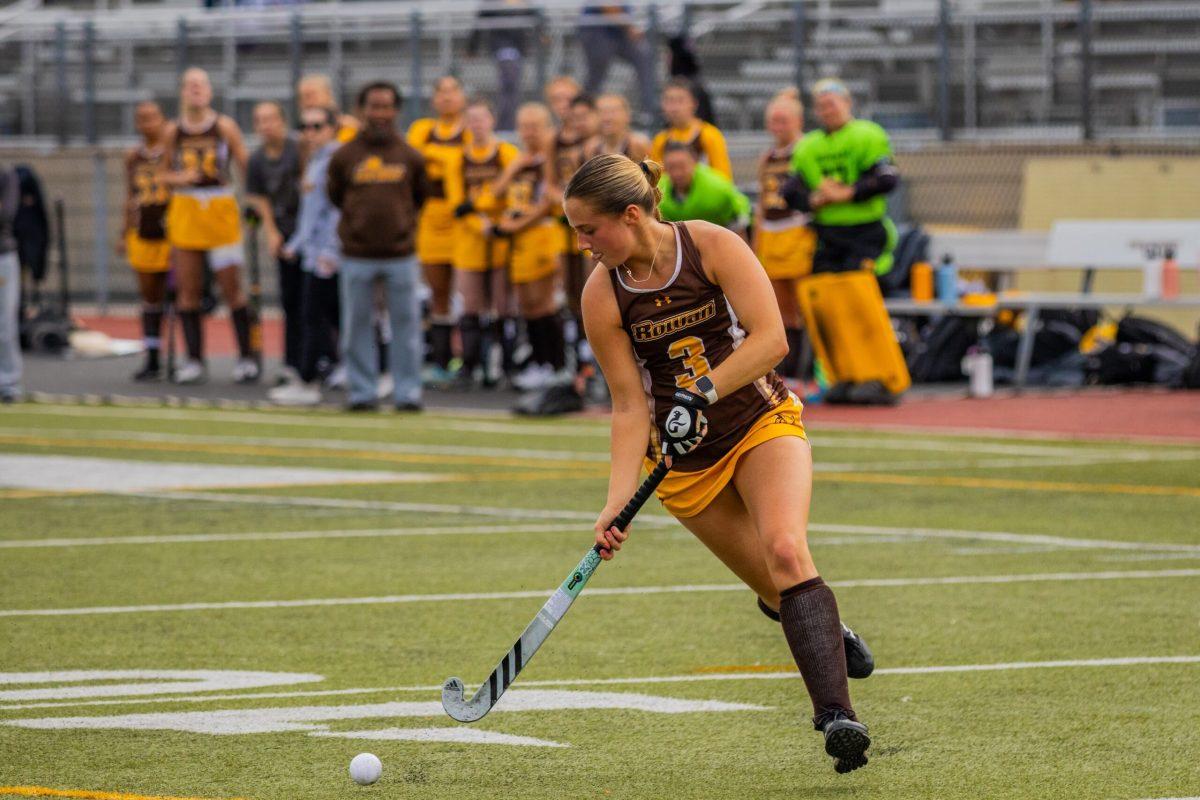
{"points": [[615, 135], [783, 239], [203, 222], [682, 316], [145, 242]]}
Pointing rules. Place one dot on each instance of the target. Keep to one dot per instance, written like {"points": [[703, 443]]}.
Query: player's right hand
{"points": [[609, 538]]}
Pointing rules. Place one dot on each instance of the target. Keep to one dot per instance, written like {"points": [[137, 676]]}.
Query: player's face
{"points": [[196, 90], [832, 109], [559, 97], [584, 121], [448, 98], [604, 237], [148, 120], [782, 124], [313, 95], [680, 165], [268, 123], [531, 129], [678, 106], [614, 117], [379, 111], [315, 127], [480, 123]]}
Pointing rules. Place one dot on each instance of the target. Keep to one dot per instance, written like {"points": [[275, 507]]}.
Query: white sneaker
{"points": [[286, 375], [246, 370], [337, 378], [385, 386], [295, 394], [533, 377], [191, 372]]}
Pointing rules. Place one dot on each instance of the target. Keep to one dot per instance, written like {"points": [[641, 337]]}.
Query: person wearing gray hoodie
{"points": [[316, 244]]}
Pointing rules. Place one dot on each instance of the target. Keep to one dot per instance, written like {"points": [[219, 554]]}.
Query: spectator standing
{"points": [[842, 173], [273, 191], [503, 26], [607, 31], [692, 190], [377, 181], [679, 106], [10, 289], [315, 245], [315, 91]]}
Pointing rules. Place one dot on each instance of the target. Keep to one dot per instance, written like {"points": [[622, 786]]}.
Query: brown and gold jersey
{"points": [[569, 155], [149, 194], [773, 171], [525, 190], [440, 144], [205, 151], [680, 332], [481, 169]]}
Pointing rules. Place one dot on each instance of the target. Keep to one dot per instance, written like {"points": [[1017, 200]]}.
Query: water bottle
{"points": [[1170, 276], [947, 281], [977, 364], [922, 282]]}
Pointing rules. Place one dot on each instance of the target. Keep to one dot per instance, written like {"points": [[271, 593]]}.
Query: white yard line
{"points": [[326, 444], [702, 677], [957, 580]]}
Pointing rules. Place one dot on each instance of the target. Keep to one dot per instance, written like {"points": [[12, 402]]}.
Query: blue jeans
{"points": [[10, 341], [401, 278]]}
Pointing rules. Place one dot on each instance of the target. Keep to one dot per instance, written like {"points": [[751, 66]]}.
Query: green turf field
{"points": [[225, 604]]}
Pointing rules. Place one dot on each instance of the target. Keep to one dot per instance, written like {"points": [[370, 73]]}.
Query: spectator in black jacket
{"points": [[10, 289]]}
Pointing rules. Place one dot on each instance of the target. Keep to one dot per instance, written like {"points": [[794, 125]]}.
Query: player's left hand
{"points": [[686, 425]]}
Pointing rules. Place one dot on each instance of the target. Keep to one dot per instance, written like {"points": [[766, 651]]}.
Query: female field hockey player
{"points": [[204, 223], [441, 141], [536, 245], [479, 254], [679, 106], [615, 134], [783, 239], [682, 315]]}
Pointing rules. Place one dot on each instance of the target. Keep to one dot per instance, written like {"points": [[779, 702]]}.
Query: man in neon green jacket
{"points": [[692, 190], [842, 173]]}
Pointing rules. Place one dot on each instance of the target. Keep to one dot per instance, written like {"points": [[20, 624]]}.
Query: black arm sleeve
{"points": [[879, 179], [795, 194]]}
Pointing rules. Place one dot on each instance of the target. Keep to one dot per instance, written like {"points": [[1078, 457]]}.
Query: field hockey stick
{"points": [[536, 633]]}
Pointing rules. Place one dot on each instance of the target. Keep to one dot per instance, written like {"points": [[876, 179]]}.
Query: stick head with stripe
{"points": [[458, 707]]}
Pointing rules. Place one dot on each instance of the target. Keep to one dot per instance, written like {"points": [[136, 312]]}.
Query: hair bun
{"points": [[652, 170]]}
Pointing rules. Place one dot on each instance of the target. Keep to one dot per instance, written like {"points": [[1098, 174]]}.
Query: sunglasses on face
{"points": [[312, 126]]}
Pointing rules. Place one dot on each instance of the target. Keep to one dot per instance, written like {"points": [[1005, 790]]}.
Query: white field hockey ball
{"points": [[366, 768]]}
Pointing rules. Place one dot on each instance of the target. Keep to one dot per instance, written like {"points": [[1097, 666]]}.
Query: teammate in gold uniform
{"points": [[783, 239], [440, 140], [144, 242], [681, 317], [536, 245], [480, 255], [679, 109], [559, 92], [203, 222], [615, 134]]}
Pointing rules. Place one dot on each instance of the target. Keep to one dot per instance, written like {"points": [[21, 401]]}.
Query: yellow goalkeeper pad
{"points": [[850, 330]]}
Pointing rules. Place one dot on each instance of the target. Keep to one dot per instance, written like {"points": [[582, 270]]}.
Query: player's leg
{"points": [[774, 480], [190, 266], [793, 324], [470, 284], [226, 266], [440, 280], [152, 286]]}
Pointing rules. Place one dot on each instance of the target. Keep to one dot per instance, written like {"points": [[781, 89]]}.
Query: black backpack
{"points": [[939, 354]]}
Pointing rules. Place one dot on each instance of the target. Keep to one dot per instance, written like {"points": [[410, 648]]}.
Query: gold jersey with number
{"points": [[535, 249], [480, 170], [146, 244], [442, 147], [785, 241]]}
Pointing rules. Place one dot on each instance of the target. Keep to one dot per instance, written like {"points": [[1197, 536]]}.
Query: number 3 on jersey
{"points": [[691, 350]]}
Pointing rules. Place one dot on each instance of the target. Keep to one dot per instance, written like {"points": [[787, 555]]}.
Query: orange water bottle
{"points": [[1170, 276], [922, 282]]}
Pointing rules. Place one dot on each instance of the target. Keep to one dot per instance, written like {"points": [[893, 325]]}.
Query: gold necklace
{"points": [[649, 274]]}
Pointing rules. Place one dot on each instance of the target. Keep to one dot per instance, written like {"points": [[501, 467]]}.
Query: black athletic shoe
{"points": [[362, 405], [409, 407], [148, 372], [847, 741], [860, 663]]}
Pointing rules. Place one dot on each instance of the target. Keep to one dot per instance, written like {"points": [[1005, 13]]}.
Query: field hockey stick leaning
{"points": [[453, 700]]}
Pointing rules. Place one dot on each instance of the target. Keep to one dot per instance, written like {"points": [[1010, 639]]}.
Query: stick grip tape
{"points": [[622, 520]]}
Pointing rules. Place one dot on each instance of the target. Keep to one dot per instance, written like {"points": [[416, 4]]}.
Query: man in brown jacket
{"points": [[378, 182]]}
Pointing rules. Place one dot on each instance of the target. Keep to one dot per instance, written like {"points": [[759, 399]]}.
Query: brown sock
{"points": [[814, 633]]}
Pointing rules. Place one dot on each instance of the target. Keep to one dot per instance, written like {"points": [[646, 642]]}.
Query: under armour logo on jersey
{"points": [[662, 300]]}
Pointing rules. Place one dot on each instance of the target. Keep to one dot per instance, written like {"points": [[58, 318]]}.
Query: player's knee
{"points": [[786, 554]]}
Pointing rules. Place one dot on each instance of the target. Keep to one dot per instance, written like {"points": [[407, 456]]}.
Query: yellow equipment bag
{"points": [[850, 330]]}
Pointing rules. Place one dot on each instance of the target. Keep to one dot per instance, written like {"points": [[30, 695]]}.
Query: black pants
{"points": [[844, 248], [291, 290], [319, 321]]}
